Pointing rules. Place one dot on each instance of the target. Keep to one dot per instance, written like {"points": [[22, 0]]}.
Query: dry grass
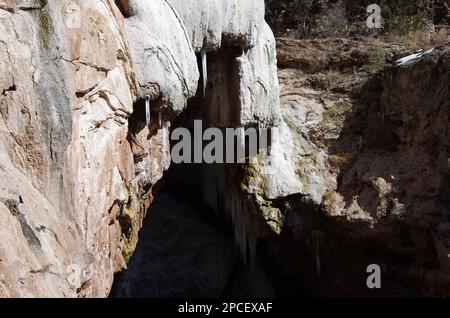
{"points": [[342, 160]]}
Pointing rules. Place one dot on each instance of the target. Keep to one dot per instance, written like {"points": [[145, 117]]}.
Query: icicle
{"points": [[259, 137], [252, 251], [244, 52], [204, 70], [164, 143], [240, 233], [263, 142], [147, 112], [160, 120]]}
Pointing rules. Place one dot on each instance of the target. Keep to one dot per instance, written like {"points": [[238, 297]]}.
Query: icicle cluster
{"points": [[204, 70], [164, 143], [239, 212]]}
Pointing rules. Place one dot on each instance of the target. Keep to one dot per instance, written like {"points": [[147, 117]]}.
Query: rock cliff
{"points": [[79, 163], [369, 147], [358, 166]]}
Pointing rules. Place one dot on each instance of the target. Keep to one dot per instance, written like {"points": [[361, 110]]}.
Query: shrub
{"points": [[293, 14]]}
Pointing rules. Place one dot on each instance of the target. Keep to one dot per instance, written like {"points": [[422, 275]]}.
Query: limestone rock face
{"points": [[164, 60], [212, 24], [77, 159], [65, 155], [164, 37]]}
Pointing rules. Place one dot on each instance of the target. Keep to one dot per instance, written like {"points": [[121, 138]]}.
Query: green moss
{"points": [[129, 247], [272, 216], [45, 28], [249, 174], [129, 222], [252, 175]]}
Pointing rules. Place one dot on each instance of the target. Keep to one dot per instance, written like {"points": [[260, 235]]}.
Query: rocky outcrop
{"points": [[78, 160], [371, 168], [358, 146], [65, 156]]}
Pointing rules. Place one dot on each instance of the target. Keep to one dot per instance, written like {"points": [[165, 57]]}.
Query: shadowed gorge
{"points": [[186, 250]]}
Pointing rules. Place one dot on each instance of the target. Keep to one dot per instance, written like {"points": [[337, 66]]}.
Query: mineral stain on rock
{"points": [[27, 231]]}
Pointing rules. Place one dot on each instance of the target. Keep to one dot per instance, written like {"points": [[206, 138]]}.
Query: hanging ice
{"points": [[147, 112], [164, 143], [204, 70], [259, 137], [160, 120], [244, 52], [263, 147], [238, 211]]}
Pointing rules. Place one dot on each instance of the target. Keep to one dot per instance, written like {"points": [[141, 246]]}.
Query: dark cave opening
{"points": [[187, 250]]}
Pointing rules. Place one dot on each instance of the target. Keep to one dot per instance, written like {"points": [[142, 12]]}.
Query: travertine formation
{"points": [[77, 158]]}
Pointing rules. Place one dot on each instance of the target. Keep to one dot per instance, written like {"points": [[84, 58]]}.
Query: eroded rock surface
{"points": [[360, 146], [371, 168], [77, 159]]}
